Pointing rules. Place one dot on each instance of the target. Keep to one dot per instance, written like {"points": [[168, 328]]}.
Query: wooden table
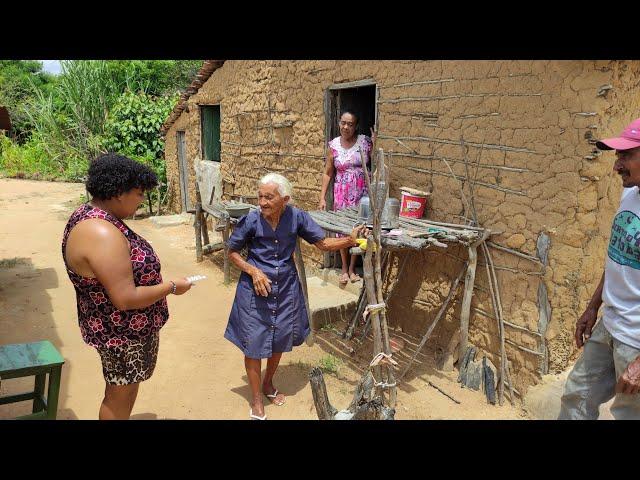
{"points": [[38, 359], [418, 234], [217, 209]]}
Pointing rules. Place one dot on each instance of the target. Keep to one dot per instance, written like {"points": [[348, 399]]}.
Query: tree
{"points": [[19, 81]]}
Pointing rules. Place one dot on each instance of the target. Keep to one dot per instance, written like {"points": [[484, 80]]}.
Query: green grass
{"points": [[11, 262], [330, 364], [303, 365]]}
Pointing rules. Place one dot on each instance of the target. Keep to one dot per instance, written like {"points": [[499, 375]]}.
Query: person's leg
{"points": [[592, 381], [134, 396], [353, 276], [253, 366], [344, 278], [267, 383], [118, 401], [625, 406]]}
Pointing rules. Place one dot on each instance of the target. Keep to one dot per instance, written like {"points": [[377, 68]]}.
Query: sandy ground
{"points": [[199, 374]]}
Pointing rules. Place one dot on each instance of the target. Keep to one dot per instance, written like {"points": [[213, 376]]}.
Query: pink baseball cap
{"points": [[629, 138]]}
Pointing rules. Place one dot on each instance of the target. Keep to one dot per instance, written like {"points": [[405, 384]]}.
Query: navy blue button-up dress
{"points": [[261, 326]]}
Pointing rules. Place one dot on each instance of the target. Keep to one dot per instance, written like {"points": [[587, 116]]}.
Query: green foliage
{"points": [[29, 160], [91, 107], [133, 125], [330, 364], [19, 81], [155, 77]]}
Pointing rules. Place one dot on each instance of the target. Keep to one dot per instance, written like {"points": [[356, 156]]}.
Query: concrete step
{"points": [[332, 276], [328, 303], [172, 220]]}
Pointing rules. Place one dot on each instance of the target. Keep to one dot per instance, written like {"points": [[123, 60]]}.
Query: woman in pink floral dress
{"points": [[116, 275], [343, 159]]}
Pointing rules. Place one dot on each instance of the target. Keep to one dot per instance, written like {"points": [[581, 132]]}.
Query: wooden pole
{"points": [[320, 398], [302, 275], [225, 238], [196, 225], [469, 279]]}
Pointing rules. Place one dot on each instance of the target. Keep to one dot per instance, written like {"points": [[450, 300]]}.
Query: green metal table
{"points": [[39, 359]]}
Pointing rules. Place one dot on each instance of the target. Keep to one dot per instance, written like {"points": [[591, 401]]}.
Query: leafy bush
{"points": [[132, 128], [27, 161]]}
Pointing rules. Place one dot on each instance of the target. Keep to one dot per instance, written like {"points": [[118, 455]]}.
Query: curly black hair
{"points": [[111, 174]]}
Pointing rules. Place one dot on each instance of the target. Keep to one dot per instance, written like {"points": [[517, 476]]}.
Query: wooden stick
{"points": [[302, 275], [448, 97], [515, 252], [466, 299], [510, 384], [442, 392], [524, 349], [457, 177], [380, 299], [424, 82], [362, 301], [225, 238], [198, 234], [493, 276], [443, 307], [494, 302], [324, 409]]}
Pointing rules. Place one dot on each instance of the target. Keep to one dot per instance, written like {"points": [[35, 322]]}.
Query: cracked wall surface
{"points": [[516, 137]]}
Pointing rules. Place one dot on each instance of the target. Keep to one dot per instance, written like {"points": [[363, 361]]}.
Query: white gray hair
{"points": [[284, 187]]}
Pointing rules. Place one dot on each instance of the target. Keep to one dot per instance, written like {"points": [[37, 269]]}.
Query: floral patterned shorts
{"points": [[132, 362]]}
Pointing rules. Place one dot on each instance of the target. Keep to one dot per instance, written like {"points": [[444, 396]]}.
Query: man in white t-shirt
{"points": [[610, 363]]}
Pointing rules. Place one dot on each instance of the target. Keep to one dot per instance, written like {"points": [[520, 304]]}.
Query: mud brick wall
{"points": [[523, 131]]}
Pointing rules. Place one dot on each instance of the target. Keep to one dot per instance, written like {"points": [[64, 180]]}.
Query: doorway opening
{"points": [[357, 97]]}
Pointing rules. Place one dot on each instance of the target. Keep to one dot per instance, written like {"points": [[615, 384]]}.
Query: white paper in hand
{"points": [[196, 278]]}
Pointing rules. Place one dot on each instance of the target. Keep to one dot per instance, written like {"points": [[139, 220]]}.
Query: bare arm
{"points": [[332, 244], [261, 283], [103, 251], [329, 170], [587, 320]]}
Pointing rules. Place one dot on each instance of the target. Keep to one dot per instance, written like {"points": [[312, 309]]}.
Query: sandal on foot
{"points": [[354, 277], [344, 279], [256, 417], [273, 397]]}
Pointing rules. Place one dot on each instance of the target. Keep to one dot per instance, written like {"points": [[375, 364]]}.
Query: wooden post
{"points": [[196, 226], [302, 275], [225, 238], [203, 227], [320, 398], [465, 310]]}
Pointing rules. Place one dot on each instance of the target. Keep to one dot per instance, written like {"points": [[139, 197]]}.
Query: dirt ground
{"points": [[199, 374]]}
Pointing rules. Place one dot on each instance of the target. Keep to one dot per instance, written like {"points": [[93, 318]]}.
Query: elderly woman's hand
{"points": [[322, 204], [359, 231], [261, 283]]}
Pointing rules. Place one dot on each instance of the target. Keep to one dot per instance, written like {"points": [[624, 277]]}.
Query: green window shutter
{"points": [[211, 132]]}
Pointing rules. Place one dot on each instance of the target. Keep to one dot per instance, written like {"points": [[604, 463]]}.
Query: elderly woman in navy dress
{"points": [[268, 316]]}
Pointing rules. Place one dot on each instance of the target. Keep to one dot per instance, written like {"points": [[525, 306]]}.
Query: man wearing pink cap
{"points": [[610, 363]]}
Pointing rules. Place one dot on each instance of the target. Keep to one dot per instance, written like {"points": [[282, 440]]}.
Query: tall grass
{"points": [[71, 130]]}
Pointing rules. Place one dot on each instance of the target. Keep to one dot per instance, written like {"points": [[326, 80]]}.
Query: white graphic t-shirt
{"points": [[621, 292]]}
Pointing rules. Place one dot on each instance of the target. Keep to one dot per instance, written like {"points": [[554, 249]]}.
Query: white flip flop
{"points": [[273, 396], [256, 417]]}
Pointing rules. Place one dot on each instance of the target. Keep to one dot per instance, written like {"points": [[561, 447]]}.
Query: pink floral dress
{"points": [[349, 185], [102, 325]]}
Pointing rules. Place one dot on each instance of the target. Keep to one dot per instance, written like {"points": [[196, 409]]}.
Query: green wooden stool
{"points": [[39, 359]]}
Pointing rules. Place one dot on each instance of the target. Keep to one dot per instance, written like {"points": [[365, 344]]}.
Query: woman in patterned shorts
{"points": [[116, 275]]}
